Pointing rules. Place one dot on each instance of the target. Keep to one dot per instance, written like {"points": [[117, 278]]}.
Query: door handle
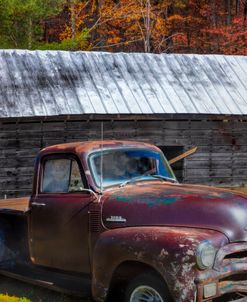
{"points": [[38, 204]]}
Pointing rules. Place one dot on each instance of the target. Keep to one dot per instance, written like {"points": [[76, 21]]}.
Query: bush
{"points": [[6, 298], [79, 43]]}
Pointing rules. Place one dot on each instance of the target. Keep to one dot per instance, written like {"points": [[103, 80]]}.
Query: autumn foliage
{"points": [[158, 26], [183, 26]]}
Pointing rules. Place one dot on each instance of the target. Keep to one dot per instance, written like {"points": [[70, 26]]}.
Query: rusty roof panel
{"points": [[47, 83]]}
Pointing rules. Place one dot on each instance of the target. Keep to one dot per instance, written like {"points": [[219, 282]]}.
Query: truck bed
{"points": [[15, 204]]}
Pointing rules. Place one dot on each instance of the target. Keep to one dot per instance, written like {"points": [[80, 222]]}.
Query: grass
{"points": [[7, 298], [14, 291]]}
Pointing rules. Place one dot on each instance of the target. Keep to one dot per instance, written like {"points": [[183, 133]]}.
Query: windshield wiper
{"points": [[165, 178], [132, 180], [147, 175]]}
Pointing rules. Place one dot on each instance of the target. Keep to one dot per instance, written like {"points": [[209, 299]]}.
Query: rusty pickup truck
{"points": [[108, 220]]}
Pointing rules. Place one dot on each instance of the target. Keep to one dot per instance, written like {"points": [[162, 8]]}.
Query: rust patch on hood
{"points": [[157, 203]]}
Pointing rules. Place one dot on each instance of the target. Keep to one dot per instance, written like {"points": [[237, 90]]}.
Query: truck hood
{"points": [[153, 203]]}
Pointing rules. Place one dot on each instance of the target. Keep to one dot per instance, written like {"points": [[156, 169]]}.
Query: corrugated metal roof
{"points": [[44, 83]]}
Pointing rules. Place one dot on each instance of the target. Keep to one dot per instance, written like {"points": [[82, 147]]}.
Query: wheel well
{"points": [[125, 272]]}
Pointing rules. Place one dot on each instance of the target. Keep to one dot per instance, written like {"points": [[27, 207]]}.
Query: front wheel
{"points": [[147, 288]]}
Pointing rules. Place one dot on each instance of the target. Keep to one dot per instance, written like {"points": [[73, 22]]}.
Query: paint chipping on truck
{"points": [[124, 225]]}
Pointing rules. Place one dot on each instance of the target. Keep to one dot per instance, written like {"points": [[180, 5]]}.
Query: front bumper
{"points": [[229, 273]]}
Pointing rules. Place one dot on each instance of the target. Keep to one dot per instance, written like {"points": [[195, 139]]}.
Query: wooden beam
{"points": [[182, 156]]}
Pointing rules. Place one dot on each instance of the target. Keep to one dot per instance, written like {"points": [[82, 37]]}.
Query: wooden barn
{"points": [[174, 101]]}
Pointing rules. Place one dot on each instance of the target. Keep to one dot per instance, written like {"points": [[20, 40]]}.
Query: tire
{"points": [[147, 287]]}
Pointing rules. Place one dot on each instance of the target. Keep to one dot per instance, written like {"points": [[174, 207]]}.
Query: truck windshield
{"points": [[119, 166]]}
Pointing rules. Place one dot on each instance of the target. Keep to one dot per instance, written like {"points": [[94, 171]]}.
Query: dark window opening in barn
{"points": [[171, 152]]}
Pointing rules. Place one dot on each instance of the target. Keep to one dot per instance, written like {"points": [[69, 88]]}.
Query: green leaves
{"points": [[78, 43], [20, 24], [6, 298]]}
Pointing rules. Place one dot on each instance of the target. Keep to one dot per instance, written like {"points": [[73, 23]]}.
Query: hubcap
{"points": [[145, 294]]}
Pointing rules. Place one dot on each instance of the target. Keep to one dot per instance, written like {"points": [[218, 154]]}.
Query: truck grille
{"points": [[231, 260], [237, 255], [230, 257], [237, 297], [230, 273]]}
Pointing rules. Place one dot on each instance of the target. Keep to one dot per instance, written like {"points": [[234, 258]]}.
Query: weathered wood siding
{"points": [[221, 158]]}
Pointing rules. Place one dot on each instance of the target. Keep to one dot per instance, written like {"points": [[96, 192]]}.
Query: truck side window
{"points": [[76, 184], [61, 176]]}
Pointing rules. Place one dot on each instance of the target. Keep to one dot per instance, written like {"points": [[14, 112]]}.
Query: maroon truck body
{"points": [[104, 239]]}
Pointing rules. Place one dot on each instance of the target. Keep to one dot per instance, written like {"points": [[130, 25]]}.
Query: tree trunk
{"points": [[73, 20], [214, 17], [245, 9], [169, 40], [147, 25], [237, 8], [30, 33], [228, 9]]}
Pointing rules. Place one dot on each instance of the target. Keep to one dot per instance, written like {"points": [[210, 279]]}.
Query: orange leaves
{"points": [[113, 40], [159, 25]]}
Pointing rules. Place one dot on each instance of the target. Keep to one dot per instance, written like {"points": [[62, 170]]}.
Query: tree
{"points": [[139, 25], [183, 26], [21, 20]]}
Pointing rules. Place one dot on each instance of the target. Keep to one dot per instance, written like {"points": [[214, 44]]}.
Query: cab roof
{"points": [[90, 146]]}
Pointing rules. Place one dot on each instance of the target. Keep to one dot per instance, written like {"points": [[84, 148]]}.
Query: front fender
{"points": [[168, 250]]}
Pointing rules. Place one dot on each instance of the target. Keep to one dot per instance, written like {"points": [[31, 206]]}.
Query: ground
{"points": [[34, 293]]}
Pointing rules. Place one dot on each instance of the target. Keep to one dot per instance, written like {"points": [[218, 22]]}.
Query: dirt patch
{"points": [[34, 293]]}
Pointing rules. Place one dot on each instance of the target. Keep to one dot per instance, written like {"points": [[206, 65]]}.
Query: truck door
{"points": [[59, 216]]}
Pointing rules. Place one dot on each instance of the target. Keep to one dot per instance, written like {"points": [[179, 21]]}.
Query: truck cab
{"points": [[108, 220]]}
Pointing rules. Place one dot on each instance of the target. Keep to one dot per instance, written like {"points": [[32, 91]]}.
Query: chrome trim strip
{"points": [[226, 287], [227, 250]]}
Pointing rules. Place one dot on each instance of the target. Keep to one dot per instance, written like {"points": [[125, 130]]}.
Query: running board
{"points": [[67, 284]]}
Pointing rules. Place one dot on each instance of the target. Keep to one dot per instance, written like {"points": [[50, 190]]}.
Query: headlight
{"points": [[205, 255]]}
